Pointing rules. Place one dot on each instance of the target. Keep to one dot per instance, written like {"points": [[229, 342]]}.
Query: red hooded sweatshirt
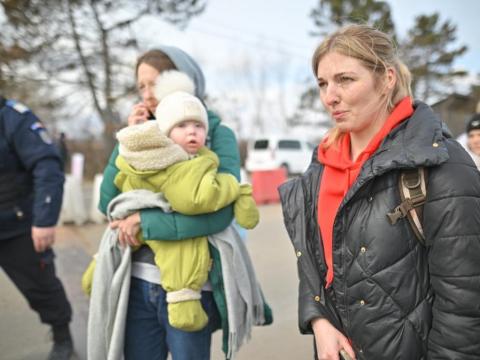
{"points": [[341, 172]]}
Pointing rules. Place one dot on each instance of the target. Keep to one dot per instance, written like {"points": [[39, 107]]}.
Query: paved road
{"points": [[23, 337]]}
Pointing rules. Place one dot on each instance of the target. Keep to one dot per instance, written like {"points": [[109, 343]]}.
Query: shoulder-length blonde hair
{"points": [[376, 51]]}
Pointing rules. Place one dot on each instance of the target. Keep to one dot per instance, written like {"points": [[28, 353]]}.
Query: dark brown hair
{"points": [[157, 59]]}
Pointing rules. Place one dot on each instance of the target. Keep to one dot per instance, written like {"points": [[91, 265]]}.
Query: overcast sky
{"points": [[234, 38], [231, 27]]}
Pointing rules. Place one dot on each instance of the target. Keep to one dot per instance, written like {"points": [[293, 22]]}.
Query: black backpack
{"points": [[413, 192]]}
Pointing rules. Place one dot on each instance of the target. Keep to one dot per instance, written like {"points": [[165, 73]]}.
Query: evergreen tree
{"points": [[341, 12], [429, 52]]}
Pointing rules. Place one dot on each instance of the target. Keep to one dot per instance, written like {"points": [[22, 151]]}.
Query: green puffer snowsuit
{"points": [[191, 187]]}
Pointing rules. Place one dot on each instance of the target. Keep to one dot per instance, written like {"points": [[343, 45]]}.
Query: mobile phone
{"points": [[344, 355]]}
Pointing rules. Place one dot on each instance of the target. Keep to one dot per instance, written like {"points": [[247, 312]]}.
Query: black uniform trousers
{"points": [[34, 275]]}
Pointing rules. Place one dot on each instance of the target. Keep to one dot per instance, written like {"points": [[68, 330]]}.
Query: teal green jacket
{"points": [[174, 226], [157, 225]]}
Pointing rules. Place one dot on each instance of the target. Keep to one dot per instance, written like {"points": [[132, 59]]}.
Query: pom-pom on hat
{"points": [[177, 107], [170, 81], [185, 63]]}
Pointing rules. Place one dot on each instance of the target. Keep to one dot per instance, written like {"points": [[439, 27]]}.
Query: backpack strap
{"points": [[413, 192]]}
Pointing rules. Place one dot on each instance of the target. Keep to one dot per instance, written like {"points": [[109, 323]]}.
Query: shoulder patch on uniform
{"points": [[37, 125], [17, 106], [38, 128]]}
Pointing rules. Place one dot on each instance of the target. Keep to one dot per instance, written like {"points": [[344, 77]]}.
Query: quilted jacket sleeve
{"points": [[312, 300], [452, 228]]}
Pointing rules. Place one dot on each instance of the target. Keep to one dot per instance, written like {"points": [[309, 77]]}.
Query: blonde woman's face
{"points": [[146, 76], [349, 94]]}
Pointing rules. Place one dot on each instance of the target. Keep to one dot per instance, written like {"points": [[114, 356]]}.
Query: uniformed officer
{"points": [[31, 188]]}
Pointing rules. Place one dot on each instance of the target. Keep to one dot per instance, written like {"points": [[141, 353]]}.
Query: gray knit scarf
{"points": [[242, 291], [111, 280]]}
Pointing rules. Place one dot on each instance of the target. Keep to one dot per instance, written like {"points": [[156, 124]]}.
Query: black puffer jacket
{"points": [[396, 299]]}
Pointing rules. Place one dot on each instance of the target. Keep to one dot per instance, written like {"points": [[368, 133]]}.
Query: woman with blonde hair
{"points": [[369, 289]]}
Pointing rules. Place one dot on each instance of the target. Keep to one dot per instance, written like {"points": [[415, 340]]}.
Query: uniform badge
{"points": [[36, 126], [39, 129], [45, 136]]}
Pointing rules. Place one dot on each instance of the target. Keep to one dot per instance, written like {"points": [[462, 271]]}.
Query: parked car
{"points": [[273, 152]]}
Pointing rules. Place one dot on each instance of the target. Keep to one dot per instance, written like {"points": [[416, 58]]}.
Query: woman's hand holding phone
{"points": [[138, 115]]}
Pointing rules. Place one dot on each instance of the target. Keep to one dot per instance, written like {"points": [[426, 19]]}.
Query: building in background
{"points": [[456, 109]]}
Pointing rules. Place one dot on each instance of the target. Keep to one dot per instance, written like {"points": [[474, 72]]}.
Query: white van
{"points": [[273, 152]]}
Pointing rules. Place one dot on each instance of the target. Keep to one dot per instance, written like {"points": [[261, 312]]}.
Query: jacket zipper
{"points": [[320, 240]]}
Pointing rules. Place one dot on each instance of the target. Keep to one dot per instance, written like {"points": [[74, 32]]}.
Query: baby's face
{"points": [[190, 135]]}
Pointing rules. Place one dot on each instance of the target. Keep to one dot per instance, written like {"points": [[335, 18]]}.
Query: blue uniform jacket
{"points": [[31, 176]]}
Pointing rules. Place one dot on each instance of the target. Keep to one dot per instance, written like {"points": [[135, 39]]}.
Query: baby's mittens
{"points": [[87, 277], [245, 209]]}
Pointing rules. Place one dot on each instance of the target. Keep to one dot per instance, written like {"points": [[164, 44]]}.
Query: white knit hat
{"points": [[177, 107]]}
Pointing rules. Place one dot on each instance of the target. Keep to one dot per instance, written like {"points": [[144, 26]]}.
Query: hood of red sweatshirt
{"points": [[338, 154]]}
